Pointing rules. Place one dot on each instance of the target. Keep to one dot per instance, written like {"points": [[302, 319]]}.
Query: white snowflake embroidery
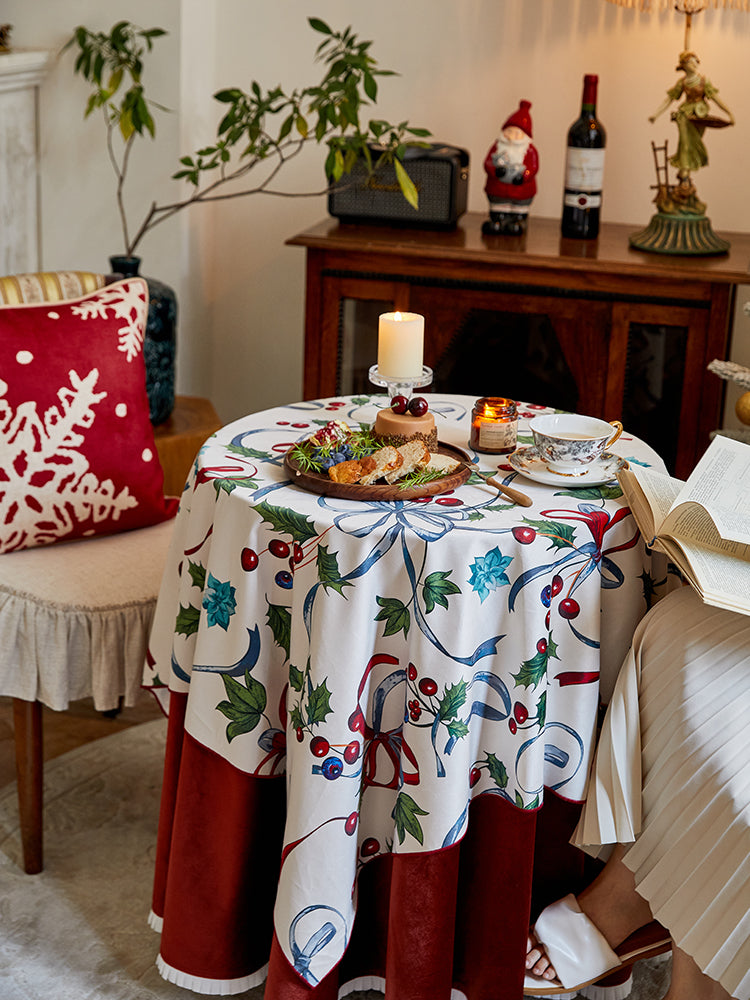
{"points": [[126, 304], [46, 486]]}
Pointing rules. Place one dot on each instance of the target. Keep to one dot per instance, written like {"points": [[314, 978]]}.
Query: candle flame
{"points": [[397, 317]]}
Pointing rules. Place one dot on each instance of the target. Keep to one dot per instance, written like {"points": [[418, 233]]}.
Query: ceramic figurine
{"points": [[511, 166]]}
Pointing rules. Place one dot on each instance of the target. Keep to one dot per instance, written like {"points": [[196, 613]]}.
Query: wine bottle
{"points": [[584, 169]]}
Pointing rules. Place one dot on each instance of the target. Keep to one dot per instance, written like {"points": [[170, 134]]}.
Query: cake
{"points": [[398, 428]]}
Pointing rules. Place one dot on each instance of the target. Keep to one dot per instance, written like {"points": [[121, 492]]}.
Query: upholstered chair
{"points": [[85, 532]]}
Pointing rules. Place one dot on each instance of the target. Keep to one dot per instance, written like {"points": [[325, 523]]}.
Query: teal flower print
{"points": [[488, 572], [219, 602]]}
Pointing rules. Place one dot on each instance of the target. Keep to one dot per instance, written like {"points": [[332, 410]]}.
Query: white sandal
{"points": [[579, 951]]}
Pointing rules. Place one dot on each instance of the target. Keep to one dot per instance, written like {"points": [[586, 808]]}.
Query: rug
{"points": [[78, 931]]}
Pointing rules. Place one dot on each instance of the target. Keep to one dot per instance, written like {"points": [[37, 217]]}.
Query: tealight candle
{"points": [[494, 425], [400, 345]]}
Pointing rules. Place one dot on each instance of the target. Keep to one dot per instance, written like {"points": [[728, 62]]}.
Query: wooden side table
{"points": [[179, 439]]}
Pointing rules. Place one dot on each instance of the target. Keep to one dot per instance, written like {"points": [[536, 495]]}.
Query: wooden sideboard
{"points": [[592, 325]]}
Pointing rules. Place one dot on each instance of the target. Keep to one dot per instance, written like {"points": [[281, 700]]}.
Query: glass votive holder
{"points": [[494, 425]]}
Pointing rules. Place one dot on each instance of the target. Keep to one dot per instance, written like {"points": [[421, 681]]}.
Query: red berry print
{"points": [[357, 721], [569, 608], [428, 687], [412, 672], [557, 584], [351, 752], [512, 726], [278, 548], [520, 713], [351, 823], [249, 559], [300, 734], [524, 535], [369, 847], [541, 646], [449, 501], [474, 775], [319, 746], [298, 553]]}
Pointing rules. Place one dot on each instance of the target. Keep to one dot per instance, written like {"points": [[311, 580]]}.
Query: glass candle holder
{"points": [[494, 425]]}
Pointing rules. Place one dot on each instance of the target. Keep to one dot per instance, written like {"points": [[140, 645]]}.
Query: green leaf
{"points": [[317, 25], [532, 671], [406, 184], [328, 570], [296, 677], [187, 620], [318, 704], [197, 574], [280, 621], [287, 522], [245, 706], [592, 492], [496, 770], [395, 614], [405, 814], [370, 85], [238, 449], [560, 535], [453, 698], [295, 718], [436, 588], [458, 729], [541, 709]]}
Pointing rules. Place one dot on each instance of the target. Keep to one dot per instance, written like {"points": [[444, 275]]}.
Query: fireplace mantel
{"points": [[21, 73]]}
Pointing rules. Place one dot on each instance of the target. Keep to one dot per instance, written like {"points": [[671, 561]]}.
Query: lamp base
{"points": [[679, 234]]}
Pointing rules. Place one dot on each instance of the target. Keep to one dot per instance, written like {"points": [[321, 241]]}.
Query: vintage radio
{"points": [[440, 174]]}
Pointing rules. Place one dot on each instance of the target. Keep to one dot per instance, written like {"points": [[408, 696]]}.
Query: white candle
{"points": [[400, 345]]}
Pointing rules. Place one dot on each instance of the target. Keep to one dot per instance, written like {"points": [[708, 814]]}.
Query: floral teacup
{"points": [[568, 443]]}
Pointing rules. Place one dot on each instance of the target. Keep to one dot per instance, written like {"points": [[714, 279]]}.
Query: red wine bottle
{"points": [[584, 169]]}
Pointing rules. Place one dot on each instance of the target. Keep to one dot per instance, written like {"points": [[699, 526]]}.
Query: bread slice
{"points": [[442, 463], [414, 455], [379, 464], [346, 472]]}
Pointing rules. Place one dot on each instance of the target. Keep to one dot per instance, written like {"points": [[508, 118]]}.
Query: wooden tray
{"points": [[318, 482]]}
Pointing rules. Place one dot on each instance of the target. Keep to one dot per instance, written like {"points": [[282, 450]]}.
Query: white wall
{"points": [[463, 65]]}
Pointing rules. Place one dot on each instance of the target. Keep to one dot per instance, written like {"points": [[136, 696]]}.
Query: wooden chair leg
{"points": [[27, 725]]}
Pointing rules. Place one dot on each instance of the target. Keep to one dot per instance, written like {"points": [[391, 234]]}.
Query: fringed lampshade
{"points": [[680, 225]]}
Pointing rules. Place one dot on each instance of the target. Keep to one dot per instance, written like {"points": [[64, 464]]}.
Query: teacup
{"points": [[568, 443]]}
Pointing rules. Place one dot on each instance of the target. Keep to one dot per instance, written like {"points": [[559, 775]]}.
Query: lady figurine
{"points": [[511, 166], [693, 116]]}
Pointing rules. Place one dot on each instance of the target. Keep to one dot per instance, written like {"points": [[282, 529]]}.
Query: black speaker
{"points": [[440, 174]]}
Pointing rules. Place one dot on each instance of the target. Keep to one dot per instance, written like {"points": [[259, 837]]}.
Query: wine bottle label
{"points": [[584, 169], [582, 199]]}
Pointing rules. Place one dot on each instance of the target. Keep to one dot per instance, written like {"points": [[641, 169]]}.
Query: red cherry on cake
{"points": [[418, 406], [399, 404]]}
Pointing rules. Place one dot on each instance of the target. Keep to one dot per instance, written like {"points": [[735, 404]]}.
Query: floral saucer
{"points": [[527, 462]]}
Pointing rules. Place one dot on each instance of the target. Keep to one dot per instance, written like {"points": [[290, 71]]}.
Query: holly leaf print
{"points": [[187, 620], [280, 622], [541, 709], [404, 815], [296, 677], [395, 614], [533, 670], [496, 770], [606, 492], [560, 535], [328, 570], [228, 484], [287, 522], [296, 719], [197, 574], [238, 449], [458, 729], [245, 706], [453, 698], [436, 589], [318, 704]]}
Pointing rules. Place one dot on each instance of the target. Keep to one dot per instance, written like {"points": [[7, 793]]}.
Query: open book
{"points": [[702, 525]]}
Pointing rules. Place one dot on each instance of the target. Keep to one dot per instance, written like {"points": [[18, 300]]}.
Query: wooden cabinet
{"points": [[587, 325], [179, 439]]}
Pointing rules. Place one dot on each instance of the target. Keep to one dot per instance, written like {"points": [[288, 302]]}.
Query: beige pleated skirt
{"points": [[672, 773]]}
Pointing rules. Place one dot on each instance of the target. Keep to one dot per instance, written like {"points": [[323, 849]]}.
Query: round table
{"points": [[349, 682]]}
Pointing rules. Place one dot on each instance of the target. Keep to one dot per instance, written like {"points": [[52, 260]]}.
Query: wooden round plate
{"points": [[318, 482]]}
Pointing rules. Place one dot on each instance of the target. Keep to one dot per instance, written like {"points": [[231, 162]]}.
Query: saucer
{"points": [[527, 462]]}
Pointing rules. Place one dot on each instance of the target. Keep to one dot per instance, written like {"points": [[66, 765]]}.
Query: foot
{"points": [[537, 959]]}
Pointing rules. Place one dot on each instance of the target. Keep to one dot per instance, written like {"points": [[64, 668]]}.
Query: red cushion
{"points": [[77, 452]]}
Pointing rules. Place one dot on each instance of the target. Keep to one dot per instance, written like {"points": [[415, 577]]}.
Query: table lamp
{"points": [[680, 225]]}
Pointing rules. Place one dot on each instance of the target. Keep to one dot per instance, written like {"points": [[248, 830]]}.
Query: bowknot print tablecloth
{"points": [[393, 660]]}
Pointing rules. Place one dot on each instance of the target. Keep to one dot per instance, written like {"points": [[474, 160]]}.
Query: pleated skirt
{"points": [[672, 776]]}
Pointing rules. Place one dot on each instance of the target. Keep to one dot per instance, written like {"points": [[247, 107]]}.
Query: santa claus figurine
{"points": [[511, 166]]}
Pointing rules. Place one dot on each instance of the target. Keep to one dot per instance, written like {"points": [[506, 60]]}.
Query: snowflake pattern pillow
{"points": [[77, 452]]}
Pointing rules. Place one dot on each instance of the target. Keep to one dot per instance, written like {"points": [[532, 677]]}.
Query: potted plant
{"points": [[259, 131]]}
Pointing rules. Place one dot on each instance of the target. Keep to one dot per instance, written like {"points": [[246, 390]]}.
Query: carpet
{"points": [[78, 930]]}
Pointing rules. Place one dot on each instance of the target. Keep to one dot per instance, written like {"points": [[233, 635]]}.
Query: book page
{"points": [[659, 491], [720, 578], [720, 482]]}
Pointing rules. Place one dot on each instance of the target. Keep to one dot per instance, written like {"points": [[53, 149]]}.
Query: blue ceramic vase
{"points": [[160, 341]]}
